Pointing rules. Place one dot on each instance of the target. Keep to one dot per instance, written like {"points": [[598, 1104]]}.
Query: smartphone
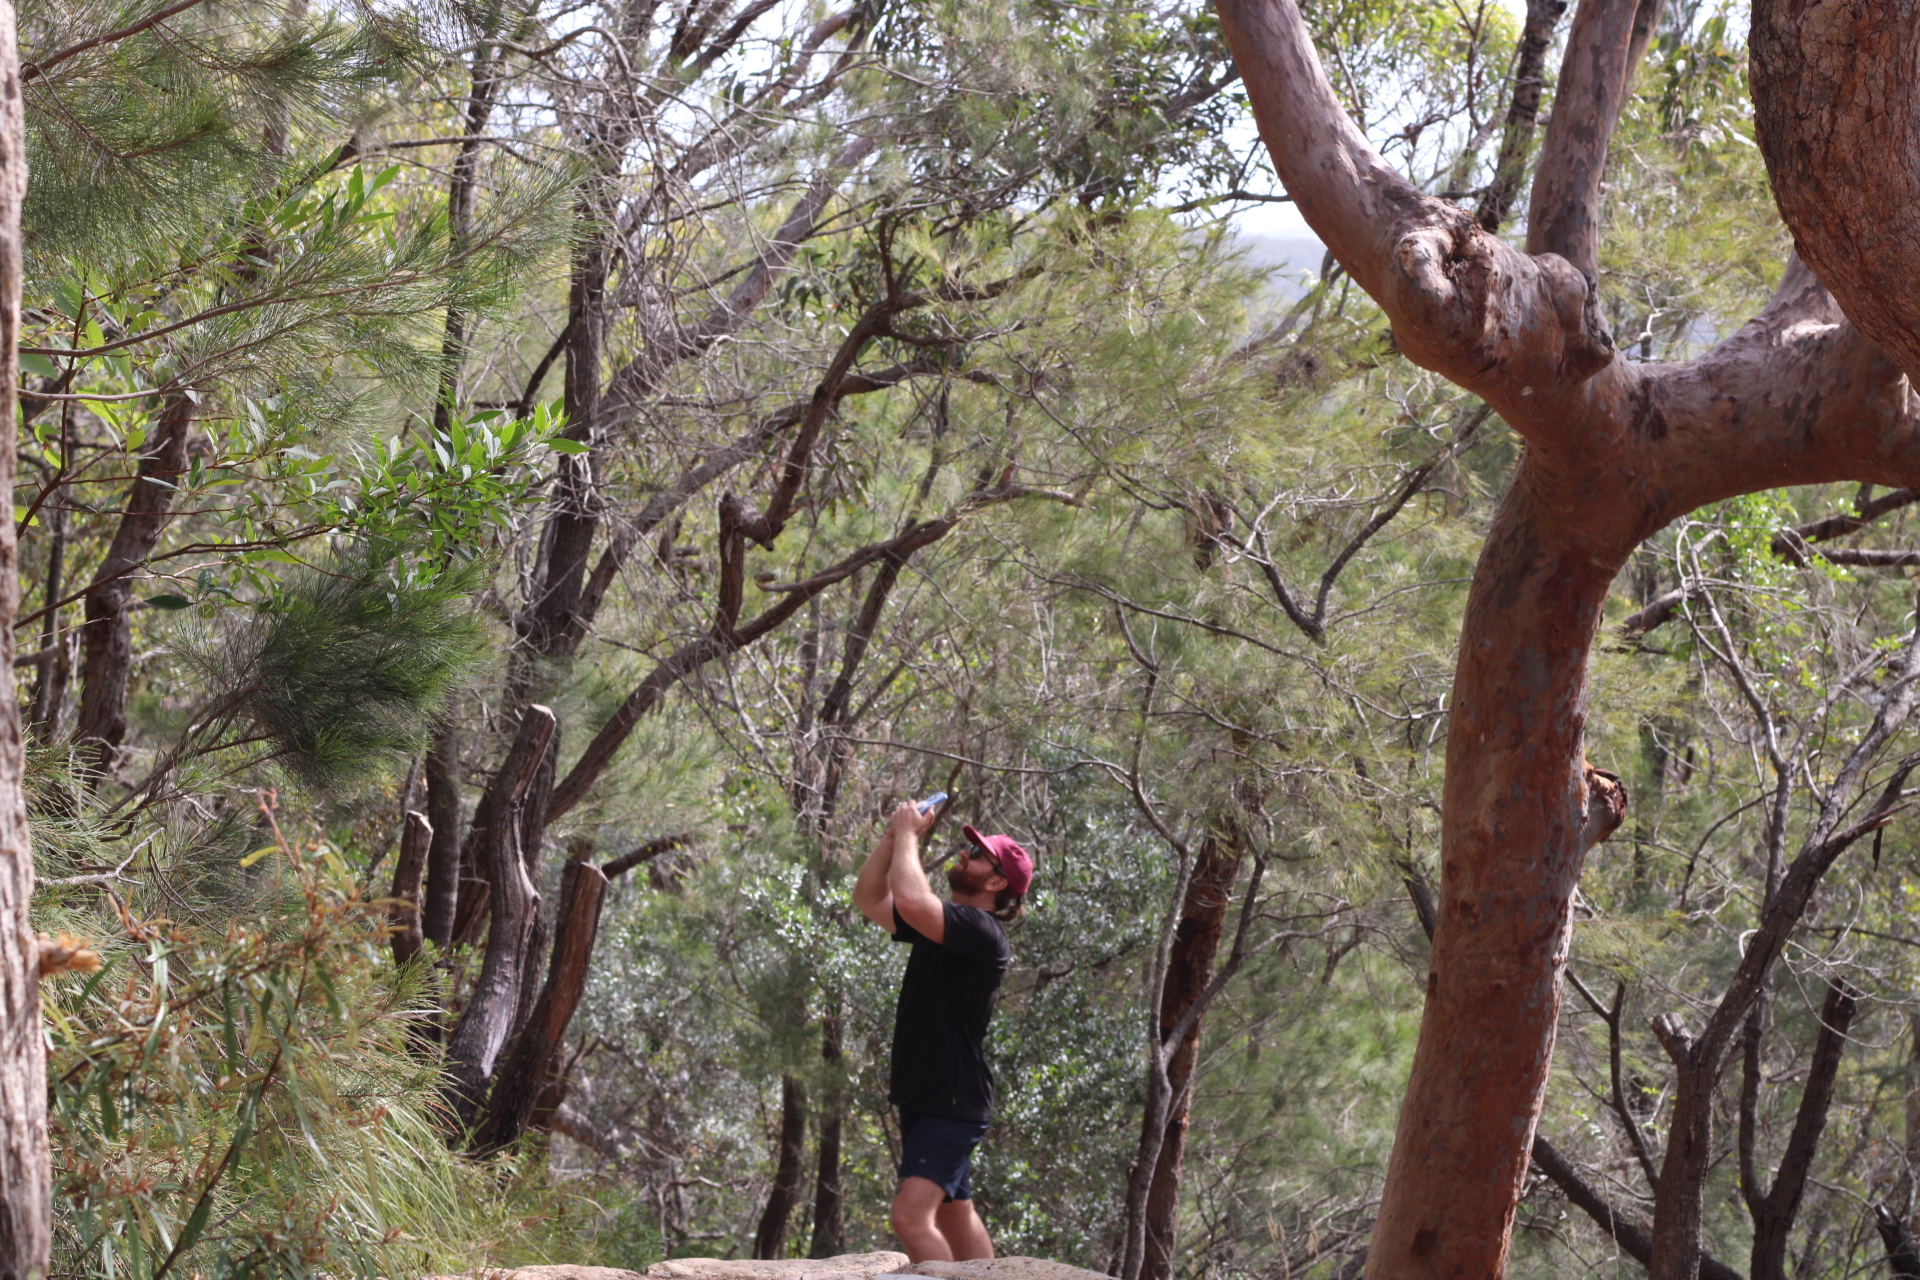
{"points": [[933, 801]]}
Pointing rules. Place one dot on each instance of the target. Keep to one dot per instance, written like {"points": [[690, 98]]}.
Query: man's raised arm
{"points": [[870, 892], [911, 895]]}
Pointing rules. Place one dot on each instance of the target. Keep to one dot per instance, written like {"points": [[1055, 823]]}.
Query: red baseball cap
{"points": [[1015, 863]]}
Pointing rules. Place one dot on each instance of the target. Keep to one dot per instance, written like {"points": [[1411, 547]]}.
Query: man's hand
{"points": [[908, 818], [913, 897]]}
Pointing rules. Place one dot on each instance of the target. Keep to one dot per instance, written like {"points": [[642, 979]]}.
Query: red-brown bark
{"points": [[1836, 97], [26, 1222], [1614, 451]]}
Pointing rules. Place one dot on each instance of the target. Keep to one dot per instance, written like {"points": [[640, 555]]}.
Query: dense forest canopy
{"points": [[508, 496]]}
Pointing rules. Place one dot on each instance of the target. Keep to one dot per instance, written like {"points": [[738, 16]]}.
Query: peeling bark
{"points": [[1614, 451], [26, 1222], [514, 905], [525, 1077]]}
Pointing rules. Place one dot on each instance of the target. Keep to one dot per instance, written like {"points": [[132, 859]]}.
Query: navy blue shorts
{"points": [[939, 1150]]}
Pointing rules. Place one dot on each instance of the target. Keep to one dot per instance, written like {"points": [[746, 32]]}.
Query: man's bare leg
{"points": [[916, 1210], [966, 1234]]}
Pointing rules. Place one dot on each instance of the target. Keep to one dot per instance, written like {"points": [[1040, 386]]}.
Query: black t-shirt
{"points": [[940, 1024]]}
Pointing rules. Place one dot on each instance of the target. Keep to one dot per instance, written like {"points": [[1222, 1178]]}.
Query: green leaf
{"points": [[39, 366], [170, 602], [567, 446]]}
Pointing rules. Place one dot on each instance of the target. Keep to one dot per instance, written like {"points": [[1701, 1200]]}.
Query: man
{"points": [[940, 1079]]}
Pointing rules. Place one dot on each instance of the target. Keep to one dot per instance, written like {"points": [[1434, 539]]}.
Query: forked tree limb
{"points": [[1615, 451]]}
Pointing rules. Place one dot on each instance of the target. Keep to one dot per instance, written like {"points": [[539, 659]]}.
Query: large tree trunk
{"points": [[770, 1241], [1521, 817], [1614, 451], [1836, 99], [107, 635], [26, 1222], [1196, 942]]}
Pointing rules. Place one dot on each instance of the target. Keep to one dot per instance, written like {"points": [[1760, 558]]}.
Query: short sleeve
{"points": [[972, 932], [904, 932]]}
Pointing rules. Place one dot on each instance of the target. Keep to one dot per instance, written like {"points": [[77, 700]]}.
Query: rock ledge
{"points": [[851, 1266]]}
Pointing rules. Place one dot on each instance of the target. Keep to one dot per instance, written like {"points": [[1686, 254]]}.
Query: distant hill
{"points": [[1291, 260]]}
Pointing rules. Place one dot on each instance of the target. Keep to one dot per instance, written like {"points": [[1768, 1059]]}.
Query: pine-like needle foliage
{"points": [[130, 140], [344, 668]]}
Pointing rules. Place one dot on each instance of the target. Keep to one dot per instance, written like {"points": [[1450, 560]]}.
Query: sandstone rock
{"points": [[1014, 1268], [848, 1266], [564, 1271]]}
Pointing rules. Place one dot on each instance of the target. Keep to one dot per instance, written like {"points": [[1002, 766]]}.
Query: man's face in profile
{"points": [[971, 870]]}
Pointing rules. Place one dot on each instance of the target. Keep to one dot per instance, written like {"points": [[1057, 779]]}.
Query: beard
{"points": [[965, 879]]}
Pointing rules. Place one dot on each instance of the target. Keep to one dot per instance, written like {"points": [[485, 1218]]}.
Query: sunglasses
{"points": [[975, 851]]}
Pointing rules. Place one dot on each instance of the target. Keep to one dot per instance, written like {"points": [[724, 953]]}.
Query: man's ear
{"points": [[995, 884]]}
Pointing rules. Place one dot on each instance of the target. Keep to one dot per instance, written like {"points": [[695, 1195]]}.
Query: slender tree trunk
{"points": [[1523, 112], [462, 190], [1909, 1201], [107, 635], [770, 1241], [443, 855], [25, 1176], [415, 837], [1781, 1204], [49, 679], [829, 1195], [1196, 942]]}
